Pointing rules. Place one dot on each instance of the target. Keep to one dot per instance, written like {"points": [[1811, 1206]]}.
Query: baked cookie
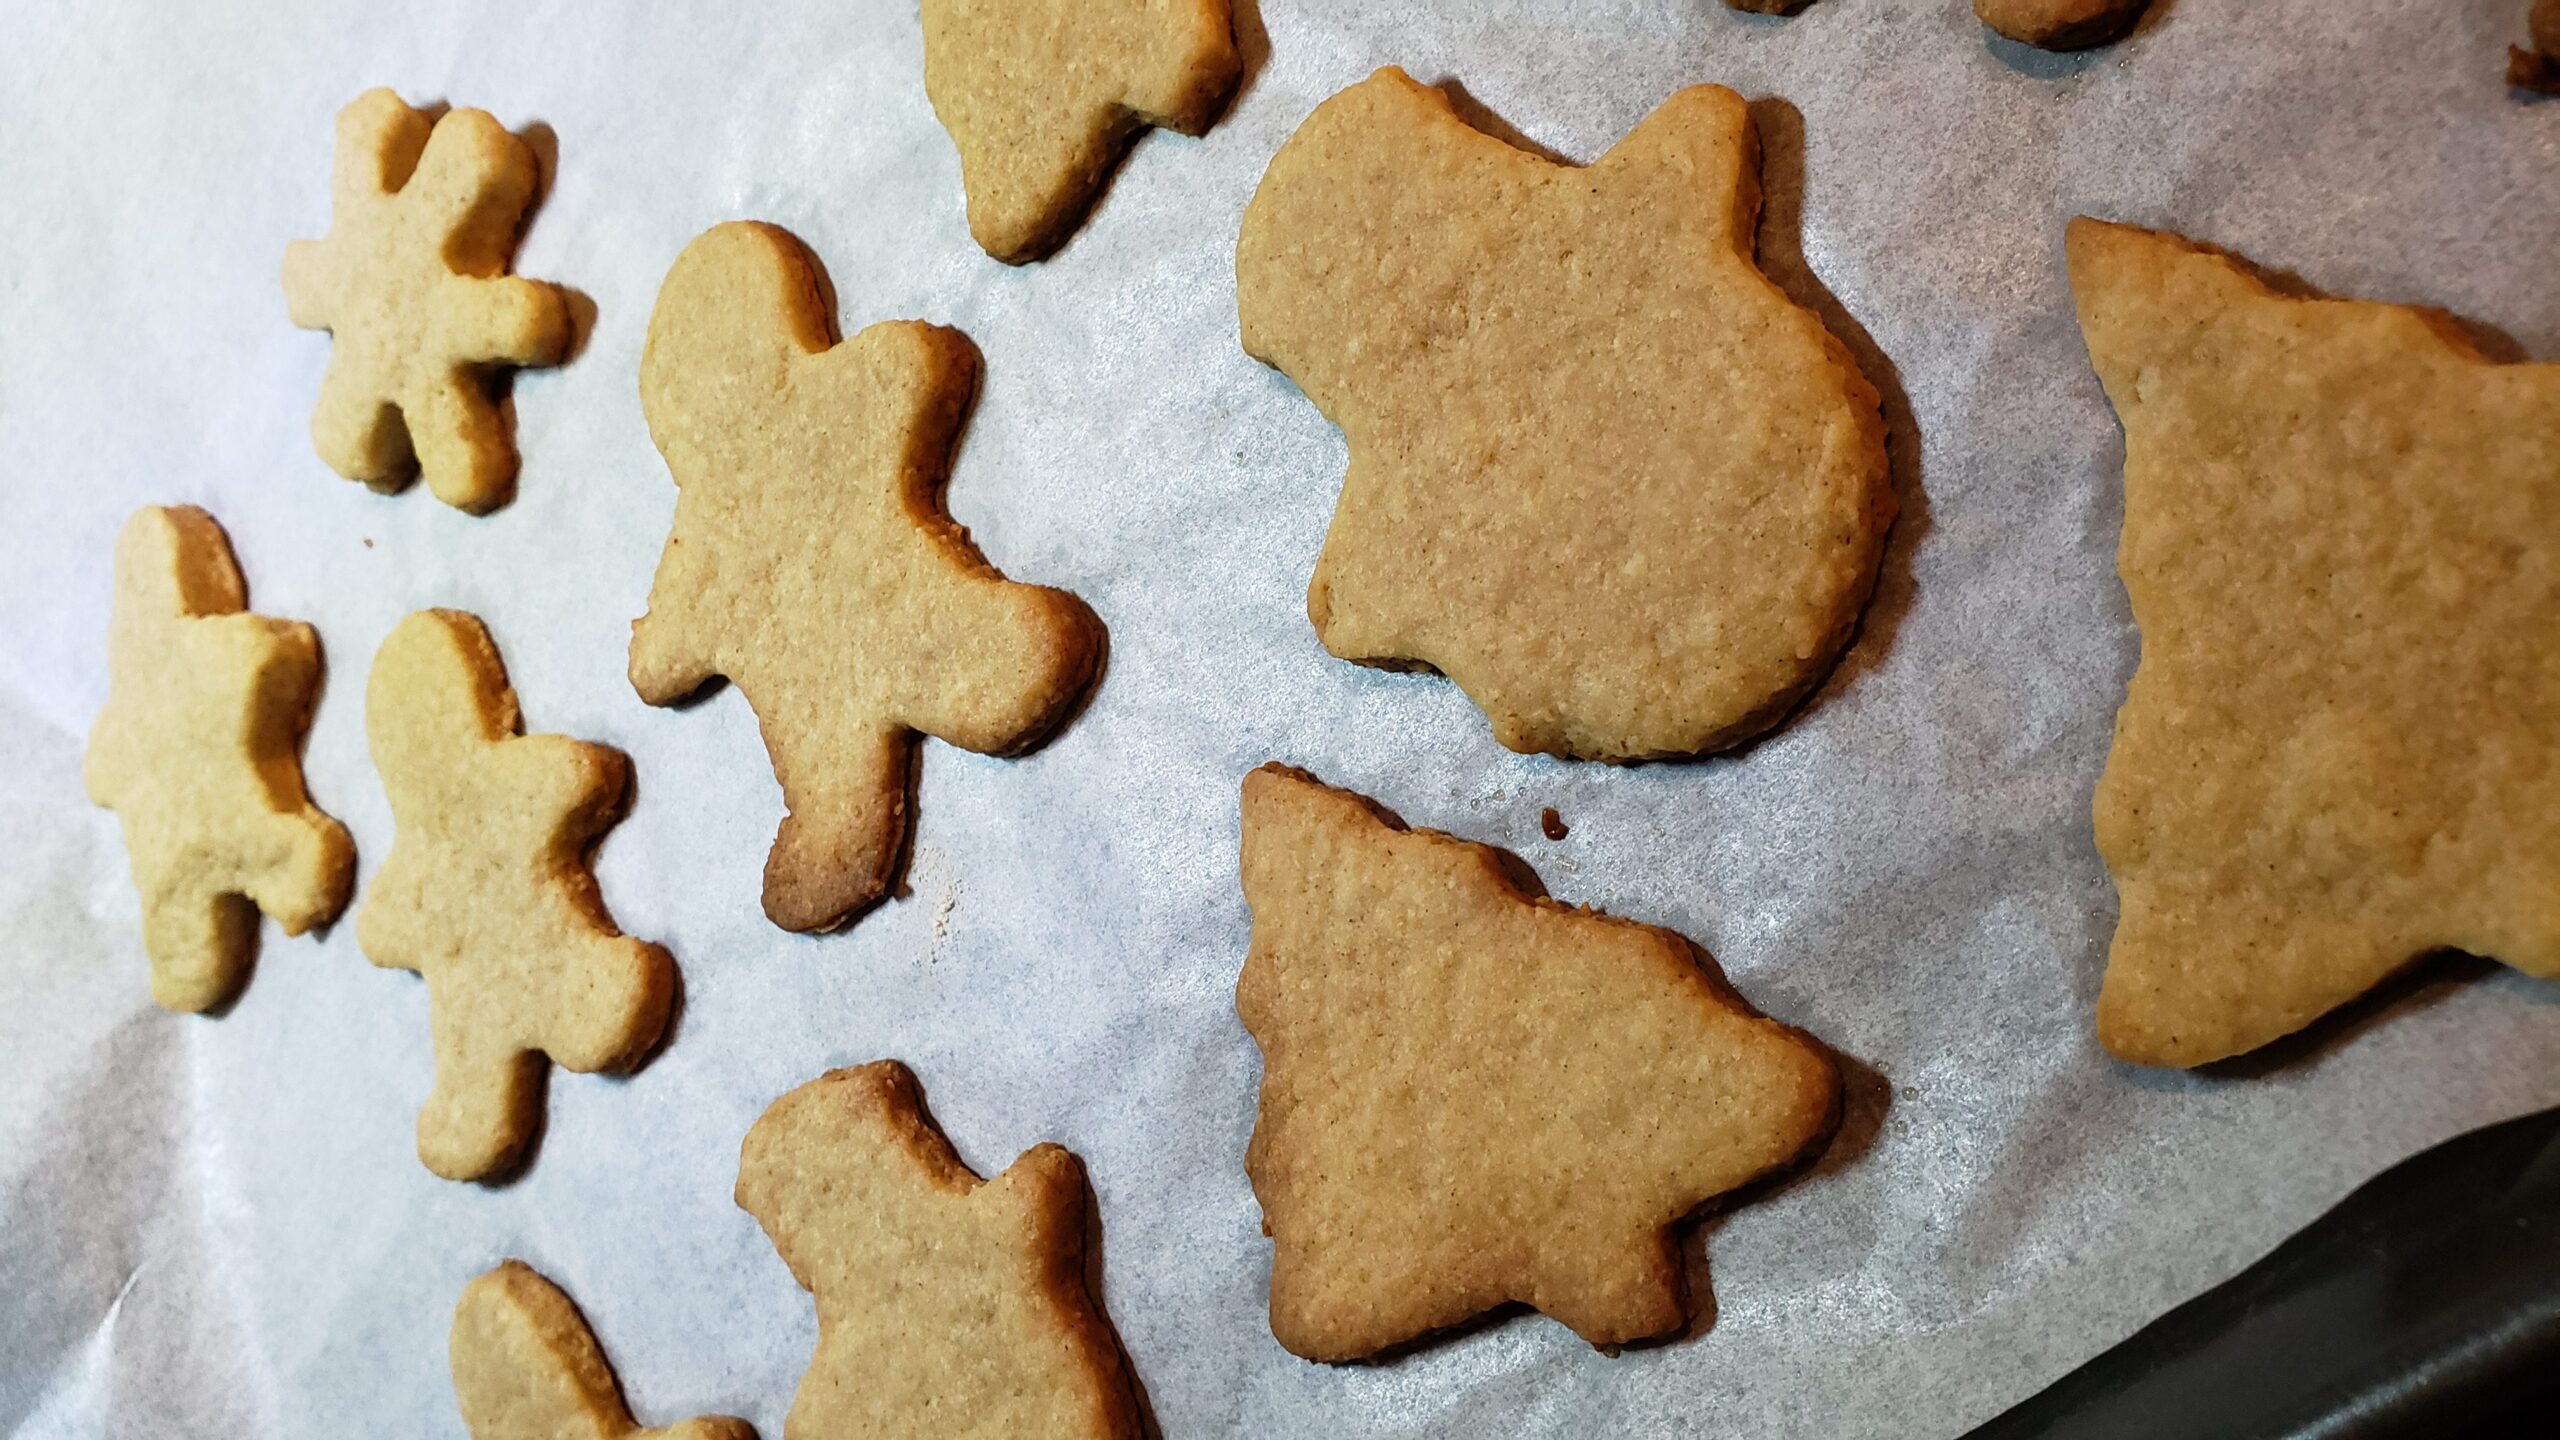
{"points": [[1042, 96], [198, 752], [487, 893], [946, 1304], [525, 1367], [812, 563], [1472, 1094], [2342, 543], [2538, 68], [2061, 24], [411, 285], [1604, 474]]}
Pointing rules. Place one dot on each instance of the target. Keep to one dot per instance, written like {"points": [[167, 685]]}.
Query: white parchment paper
{"points": [[217, 1225]]}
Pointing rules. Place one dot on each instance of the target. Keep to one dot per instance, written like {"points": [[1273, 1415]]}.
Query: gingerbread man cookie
{"points": [[2061, 24], [487, 893], [526, 1367], [939, 1294], [812, 563], [1604, 474], [2341, 749], [1473, 1095], [198, 752], [411, 285], [1042, 96]]}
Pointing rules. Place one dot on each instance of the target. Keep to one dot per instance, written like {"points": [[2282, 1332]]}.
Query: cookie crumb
{"points": [[368, 542], [1552, 824]]}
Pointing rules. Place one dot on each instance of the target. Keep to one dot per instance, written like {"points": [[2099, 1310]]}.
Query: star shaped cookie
{"points": [[1472, 1095], [939, 1294], [198, 752], [812, 563], [526, 1367], [411, 285], [487, 893], [2341, 749], [1604, 474], [1042, 96]]}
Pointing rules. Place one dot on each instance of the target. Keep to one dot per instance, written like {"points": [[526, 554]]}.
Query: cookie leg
{"points": [[306, 882], [482, 1109], [358, 433], [199, 944], [846, 826], [1610, 1295], [463, 449]]}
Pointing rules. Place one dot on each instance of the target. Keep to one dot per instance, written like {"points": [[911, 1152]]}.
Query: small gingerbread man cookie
{"points": [[1472, 1094], [526, 1367], [2341, 748], [411, 285], [1042, 96], [487, 893], [198, 753], [939, 1294], [812, 563], [1604, 474]]}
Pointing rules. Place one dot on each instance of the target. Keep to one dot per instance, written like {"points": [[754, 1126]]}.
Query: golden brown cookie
{"points": [[1604, 474], [2341, 749], [2061, 24], [487, 893], [812, 563], [411, 285], [2538, 68], [525, 1367], [1473, 1095], [947, 1305], [198, 752], [1042, 96]]}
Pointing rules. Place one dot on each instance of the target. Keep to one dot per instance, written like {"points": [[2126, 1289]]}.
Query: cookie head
{"points": [[526, 1367], [1603, 473]]}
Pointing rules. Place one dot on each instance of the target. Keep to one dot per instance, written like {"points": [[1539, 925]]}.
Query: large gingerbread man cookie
{"points": [[947, 1305], [1604, 474], [488, 895], [1473, 1095], [1042, 96], [198, 752], [812, 562], [411, 285], [2341, 749]]}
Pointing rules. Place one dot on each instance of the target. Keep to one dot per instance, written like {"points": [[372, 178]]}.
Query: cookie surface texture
{"points": [[411, 285], [1042, 96], [487, 893], [2061, 24], [526, 1367], [947, 1305], [1471, 1096], [1604, 474], [198, 752], [2341, 748], [812, 563]]}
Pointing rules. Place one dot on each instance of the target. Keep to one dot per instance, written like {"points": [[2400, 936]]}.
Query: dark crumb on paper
{"points": [[1551, 824], [368, 542]]}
